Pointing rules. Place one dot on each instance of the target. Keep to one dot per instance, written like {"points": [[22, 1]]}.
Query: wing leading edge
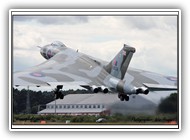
{"points": [[66, 67]]}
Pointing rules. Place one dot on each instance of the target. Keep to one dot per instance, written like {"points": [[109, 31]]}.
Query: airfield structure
{"points": [[98, 104]]}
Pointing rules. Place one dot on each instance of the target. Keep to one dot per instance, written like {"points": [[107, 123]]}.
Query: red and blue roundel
{"points": [[37, 74], [171, 78]]}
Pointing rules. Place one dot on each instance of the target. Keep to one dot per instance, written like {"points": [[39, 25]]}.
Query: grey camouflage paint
{"points": [[70, 66]]}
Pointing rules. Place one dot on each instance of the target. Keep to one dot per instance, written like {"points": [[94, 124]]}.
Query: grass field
{"points": [[93, 123], [117, 119]]}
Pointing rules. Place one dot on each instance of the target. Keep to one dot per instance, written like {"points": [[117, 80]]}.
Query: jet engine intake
{"points": [[104, 89], [94, 89], [142, 90]]}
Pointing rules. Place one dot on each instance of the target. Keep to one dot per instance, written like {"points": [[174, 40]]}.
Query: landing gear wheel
{"points": [[119, 95], [61, 96], [126, 98], [56, 96], [122, 98], [58, 93]]}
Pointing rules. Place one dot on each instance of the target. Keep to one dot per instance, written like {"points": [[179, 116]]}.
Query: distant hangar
{"points": [[97, 104]]}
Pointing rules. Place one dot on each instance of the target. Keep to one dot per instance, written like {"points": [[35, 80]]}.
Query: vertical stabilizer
{"points": [[118, 66]]}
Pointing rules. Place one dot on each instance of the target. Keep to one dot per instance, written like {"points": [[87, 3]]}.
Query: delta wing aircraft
{"points": [[65, 66]]}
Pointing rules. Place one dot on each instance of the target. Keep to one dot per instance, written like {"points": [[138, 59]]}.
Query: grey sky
{"points": [[46, 20], [154, 37]]}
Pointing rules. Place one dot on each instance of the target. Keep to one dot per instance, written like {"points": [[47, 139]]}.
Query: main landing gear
{"points": [[58, 93], [123, 97]]}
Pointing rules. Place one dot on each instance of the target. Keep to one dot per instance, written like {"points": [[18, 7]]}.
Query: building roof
{"points": [[87, 99]]}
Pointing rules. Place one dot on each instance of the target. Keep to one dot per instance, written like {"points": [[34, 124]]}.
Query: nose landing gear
{"points": [[58, 93]]}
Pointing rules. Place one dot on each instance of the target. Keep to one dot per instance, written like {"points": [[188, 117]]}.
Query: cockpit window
{"points": [[58, 44]]}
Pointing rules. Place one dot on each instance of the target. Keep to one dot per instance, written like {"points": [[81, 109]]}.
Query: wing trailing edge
{"points": [[159, 87]]}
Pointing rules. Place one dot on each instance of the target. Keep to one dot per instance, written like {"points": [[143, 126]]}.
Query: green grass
{"points": [[88, 123], [116, 119]]}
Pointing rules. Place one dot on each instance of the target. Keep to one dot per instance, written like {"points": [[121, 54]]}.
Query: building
{"points": [[79, 104], [97, 104]]}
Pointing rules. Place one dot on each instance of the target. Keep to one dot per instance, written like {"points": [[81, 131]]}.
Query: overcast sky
{"points": [[154, 37]]}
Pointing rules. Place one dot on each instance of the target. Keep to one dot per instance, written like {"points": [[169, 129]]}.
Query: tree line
{"points": [[36, 98]]}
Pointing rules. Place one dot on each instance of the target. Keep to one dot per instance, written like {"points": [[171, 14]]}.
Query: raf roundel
{"points": [[37, 74], [171, 78]]}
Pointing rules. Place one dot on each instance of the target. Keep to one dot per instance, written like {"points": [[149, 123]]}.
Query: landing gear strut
{"points": [[58, 93], [123, 97]]}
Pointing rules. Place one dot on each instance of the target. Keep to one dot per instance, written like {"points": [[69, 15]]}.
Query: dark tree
{"points": [[169, 104]]}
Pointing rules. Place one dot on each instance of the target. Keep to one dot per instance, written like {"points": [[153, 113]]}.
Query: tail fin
{"points": [[118, 66]]}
